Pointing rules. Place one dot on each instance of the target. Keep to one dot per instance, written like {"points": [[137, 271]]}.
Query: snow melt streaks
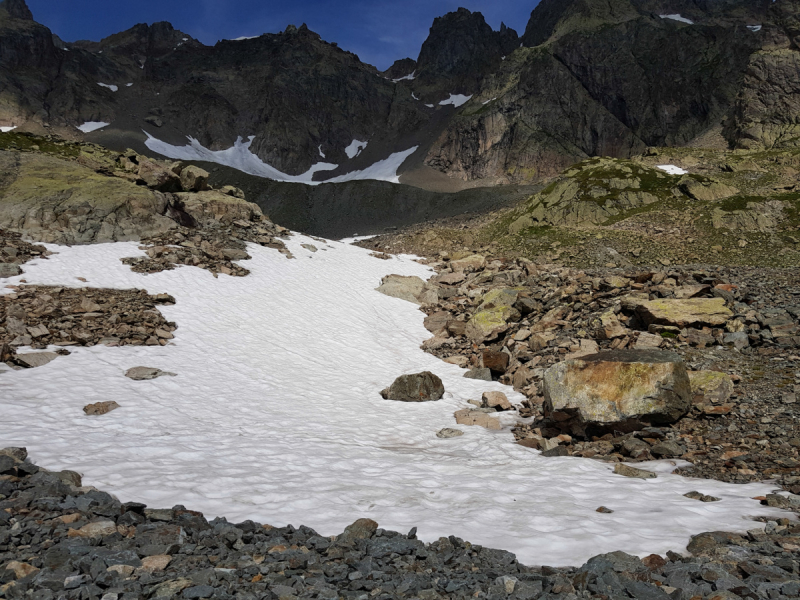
{"points": [[285, 424], [241, 158]]}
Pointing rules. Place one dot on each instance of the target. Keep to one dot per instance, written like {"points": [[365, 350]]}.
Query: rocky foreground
{"points": [[61, 540]]}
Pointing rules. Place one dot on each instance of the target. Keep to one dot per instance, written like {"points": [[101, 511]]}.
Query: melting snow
{"points": [[429, 105], [677, 17], [383, 170], [410, 77], [672, 169], [355, 148], [128, 85], [7, 129], [282, 421], [321, 153], [414, 96], [239, 157], [456, 100], [243, 38], [113, 88], [754, 28], [90, 126]]}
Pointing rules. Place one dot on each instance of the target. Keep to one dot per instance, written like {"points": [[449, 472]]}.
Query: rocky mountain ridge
{"points": [[587, 78]]}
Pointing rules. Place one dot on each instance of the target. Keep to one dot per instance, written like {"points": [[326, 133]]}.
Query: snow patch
{"points": [[355, 148], [91, 126], [414, 96], [383, 170], [492, 100], [7, 129], [410, 77], [244, 37], [672, 169], [128, 85], [456, 100], [677, 17], [321, 153], [429, 105], [113, 88], [283, 423], [754, 28], [238, 156]]}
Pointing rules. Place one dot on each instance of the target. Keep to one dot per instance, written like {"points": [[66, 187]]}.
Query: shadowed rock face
{"points": [[460, 51], [16, 9]]}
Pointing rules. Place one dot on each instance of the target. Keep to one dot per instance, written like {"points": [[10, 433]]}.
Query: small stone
{"points": [[100, 408], [474, 417], [626, 471], [481, 374], [604, 510], [417, 387], [32, 360], [497, 400], [146, 373], [156, 563], [95, 530], [448, 433], [20, 569], [458, 360], [702, 497], [668, 449]]}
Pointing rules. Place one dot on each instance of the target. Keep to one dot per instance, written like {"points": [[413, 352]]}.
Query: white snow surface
{"points": [[7, 129], [410, 77], [383, 170], [321, 153], [456, 100], [91, 126], [239, 157], [128, 85], [245, 37], [355, 148], [677, 17], [113, 88], [672, 169], [754, 28], [275, 416]]}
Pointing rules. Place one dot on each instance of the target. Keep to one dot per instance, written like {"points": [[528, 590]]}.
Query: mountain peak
{"points": [[17, 9]]}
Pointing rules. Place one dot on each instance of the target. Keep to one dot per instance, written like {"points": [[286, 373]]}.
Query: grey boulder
{"points": [[418, 387]]}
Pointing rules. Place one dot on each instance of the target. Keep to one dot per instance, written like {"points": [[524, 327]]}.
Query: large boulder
{"points": [[157, 176], [418, 387], [412, 289], [691, 312], [195, 179], [494, 313], [617, 389]]}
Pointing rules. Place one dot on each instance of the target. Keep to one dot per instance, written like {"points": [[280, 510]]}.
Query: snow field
{"points": [[91, 126], [275, 416], [7, 129], [456, 100], [240, 157]]}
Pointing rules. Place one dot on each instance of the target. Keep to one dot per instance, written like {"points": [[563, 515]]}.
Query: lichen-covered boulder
{"points": [[691, 312], [710, 386], [617, 389], [493, 315], [413, 289], [417, 387]]}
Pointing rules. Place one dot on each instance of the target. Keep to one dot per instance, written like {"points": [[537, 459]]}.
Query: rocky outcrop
{"points": [[412, 289], [459, 52], [618, 389]]}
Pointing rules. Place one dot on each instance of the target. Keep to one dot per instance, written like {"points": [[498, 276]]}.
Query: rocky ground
{"points": [[511, 319], [61, 540]]}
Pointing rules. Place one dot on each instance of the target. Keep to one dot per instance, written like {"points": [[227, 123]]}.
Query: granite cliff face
{"points": [[587, 78], [606, 78]]}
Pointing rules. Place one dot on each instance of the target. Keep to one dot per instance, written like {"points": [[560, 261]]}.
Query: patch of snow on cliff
{"points": [[275, 415], [410, 77], [456, 100], [113, 88], [672, 169], [321, 153], [677, 17], [244, 37], [355, 148], [91, 126], [754, 28], [383, 170], [7, 129], [238, 156], [414, 96], [487, 102], [128, 85]]}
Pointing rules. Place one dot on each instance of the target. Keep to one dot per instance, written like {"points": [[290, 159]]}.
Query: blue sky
{"points": [[378, 31]]}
